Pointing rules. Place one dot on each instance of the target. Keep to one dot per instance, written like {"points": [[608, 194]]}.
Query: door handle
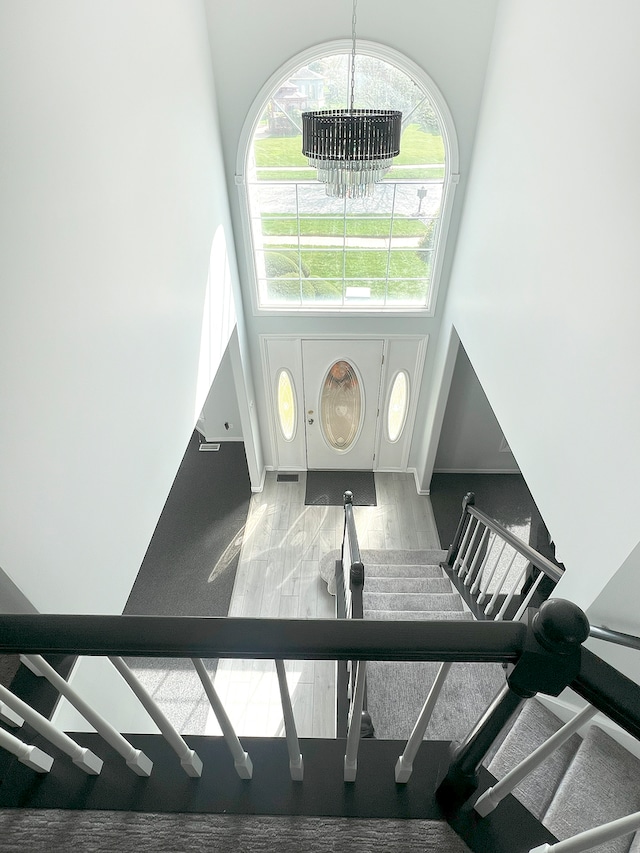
{"points": [[310, 421]]}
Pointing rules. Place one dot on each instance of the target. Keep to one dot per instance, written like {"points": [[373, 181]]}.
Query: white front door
{"points": [[341, 390]]}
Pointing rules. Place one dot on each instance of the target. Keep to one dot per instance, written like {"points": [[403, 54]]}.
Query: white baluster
{"points": [[493, 796], [509, 597], [355, 720], [463, 546], [135, 758], [24, 659], [189, 759], [593, 837], [296, 765], [82, 757], [33, 757], [528, 597], [462, 571], [489, 608], [9, 716], [471, 573], [404, 764], [476, 584], [241, 760], [483, 592]]}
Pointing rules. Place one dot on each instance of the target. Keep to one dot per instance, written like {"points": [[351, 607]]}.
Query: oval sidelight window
{"points": [[398, 406], [341, 406], [286, 405]]}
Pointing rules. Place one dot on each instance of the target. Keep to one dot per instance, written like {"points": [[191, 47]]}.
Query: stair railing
{"points": [[605, 689], [544, 655], [349, 587], [204, 638], [496, 573]]}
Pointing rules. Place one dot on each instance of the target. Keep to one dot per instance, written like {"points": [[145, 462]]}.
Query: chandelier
{"points": [[351, 149]]}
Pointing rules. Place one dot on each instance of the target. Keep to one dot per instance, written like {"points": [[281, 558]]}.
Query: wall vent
{"points": [[208, 445], [287, 478]]}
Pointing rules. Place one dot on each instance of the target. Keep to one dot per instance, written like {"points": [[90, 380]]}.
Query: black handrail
{"points": [[285, 639], [356, 567], [609, 691], [617, 637]]}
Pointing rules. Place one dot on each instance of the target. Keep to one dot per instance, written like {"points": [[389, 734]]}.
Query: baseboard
{"points": [[476, 471], [567, 706], [419, 490], [256, 489]]}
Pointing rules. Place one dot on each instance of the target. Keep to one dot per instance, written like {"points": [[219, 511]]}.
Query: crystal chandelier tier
{"points": [[351, 149]]}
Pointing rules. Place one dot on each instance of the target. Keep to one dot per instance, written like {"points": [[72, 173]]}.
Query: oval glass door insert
{"points": [[398, 405], [341, 407], [286, 405]]}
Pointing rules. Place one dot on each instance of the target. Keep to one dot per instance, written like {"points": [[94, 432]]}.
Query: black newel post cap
{"points": [[560, 626]]}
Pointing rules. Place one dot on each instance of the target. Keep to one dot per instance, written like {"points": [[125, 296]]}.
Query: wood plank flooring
{"points": [[286, 548]]}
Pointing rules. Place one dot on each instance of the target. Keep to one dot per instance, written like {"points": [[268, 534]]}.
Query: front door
{"points": [[341, 389]]}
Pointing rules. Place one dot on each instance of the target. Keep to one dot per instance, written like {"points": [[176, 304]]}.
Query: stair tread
{"points": [[533, 727], [420, 615], [403, 585], [409, 570], [404, 557], [411, 601], [601, 784]]}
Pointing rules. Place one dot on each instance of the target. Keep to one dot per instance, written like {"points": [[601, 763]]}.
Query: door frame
{"points": [[293, 458]]}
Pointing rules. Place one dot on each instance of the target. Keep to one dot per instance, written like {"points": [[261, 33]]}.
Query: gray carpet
{"points": [[411, 585], [55, 831]]}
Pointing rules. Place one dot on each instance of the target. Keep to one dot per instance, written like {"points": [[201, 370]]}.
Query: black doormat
{"points": [[327, 488]]}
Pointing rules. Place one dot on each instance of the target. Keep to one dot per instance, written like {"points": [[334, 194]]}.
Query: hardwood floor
{"points": [[286, 548]]}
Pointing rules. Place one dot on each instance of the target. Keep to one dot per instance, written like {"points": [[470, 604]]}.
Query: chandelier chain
{"points": [[353, 55]]}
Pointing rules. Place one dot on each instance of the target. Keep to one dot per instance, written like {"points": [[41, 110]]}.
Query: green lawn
{"points": [[416, 147], [327, 226], [354, 263]]}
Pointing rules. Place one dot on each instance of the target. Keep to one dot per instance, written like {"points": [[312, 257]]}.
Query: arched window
{"points": [[316, 253]]}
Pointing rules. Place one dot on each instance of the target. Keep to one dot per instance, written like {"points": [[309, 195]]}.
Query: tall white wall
{"points": [[251, 40], [111, 191], [544, 291]]}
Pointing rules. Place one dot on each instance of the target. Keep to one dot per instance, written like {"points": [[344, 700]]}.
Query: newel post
{"points": [[549, 662], [468, 500]]}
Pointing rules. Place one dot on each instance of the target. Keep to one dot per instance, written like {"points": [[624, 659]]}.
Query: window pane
{"points": [[343, 248], [286, 405], [341, 406], [398, 405]]}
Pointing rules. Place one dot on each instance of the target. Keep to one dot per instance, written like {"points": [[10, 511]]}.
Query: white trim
{"points": [[260, 486], [419, 490], [451, 177]]}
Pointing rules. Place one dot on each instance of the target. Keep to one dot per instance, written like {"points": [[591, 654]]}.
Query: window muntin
{"points": [[398, 406], [341, 406], [286, 405], [318, 253]]}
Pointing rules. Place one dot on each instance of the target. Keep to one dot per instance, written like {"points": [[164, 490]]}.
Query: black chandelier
{"points": [[351, 149]]}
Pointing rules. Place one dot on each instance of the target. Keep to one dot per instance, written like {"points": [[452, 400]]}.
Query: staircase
{"points": [[583, 784], [412, 585]]}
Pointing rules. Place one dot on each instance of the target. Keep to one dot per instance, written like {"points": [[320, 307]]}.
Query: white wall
{"points": [[112, 190], [221, 406], [251, 40], [471, 437], [544, 292]]}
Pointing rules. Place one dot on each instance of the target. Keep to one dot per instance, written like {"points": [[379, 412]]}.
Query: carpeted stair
{"points": [[585, 783], [411, 585]]}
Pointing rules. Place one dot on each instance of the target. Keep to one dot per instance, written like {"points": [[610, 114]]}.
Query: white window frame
{"points": [[451, 176]]}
